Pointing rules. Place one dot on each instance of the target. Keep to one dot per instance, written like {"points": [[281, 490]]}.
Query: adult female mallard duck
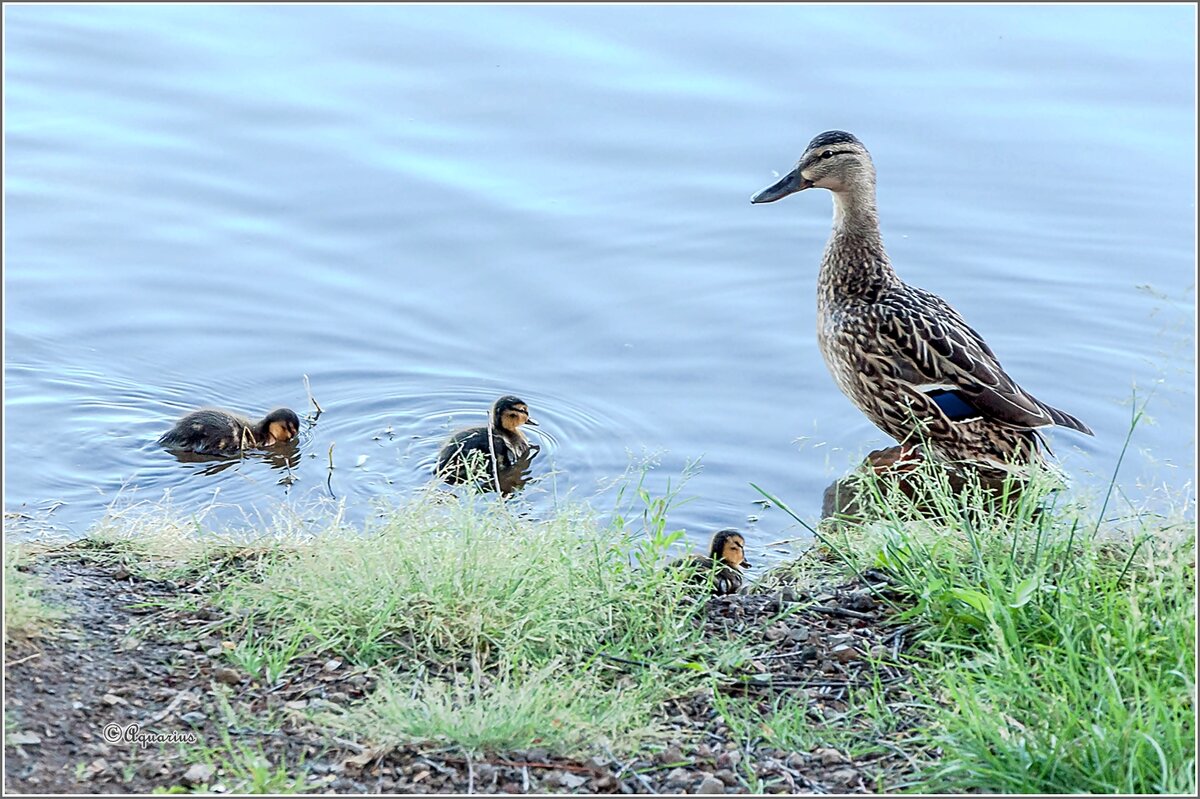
{"points": [[726, 558], [211, 431], [497, 447], [902, 354]]}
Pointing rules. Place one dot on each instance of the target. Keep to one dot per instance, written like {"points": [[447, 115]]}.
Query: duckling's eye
{"points": [[827, 154]]}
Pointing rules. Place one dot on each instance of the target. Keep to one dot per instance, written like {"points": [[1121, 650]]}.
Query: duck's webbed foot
{"points": [[904, 457]]}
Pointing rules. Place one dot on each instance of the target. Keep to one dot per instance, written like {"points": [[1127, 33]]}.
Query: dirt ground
{"points": [[123, 660]]}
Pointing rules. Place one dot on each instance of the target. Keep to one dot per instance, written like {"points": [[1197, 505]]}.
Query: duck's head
{"points": [[281, 424], [509, 413], [729, 547], [834, 160]]}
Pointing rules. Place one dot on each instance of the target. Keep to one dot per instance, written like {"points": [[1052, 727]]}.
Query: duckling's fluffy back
{"points": [[207, 431], [458, 450]]}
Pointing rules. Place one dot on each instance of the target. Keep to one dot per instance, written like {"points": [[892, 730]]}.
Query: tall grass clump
{"points": [[1058, 649], [489, 628]]}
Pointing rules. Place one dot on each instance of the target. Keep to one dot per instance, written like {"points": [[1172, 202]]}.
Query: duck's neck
{"points": [[515, 439], [855, 264]]}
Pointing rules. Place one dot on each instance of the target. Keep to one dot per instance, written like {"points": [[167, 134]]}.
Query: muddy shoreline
{"points": [[158, 674]]}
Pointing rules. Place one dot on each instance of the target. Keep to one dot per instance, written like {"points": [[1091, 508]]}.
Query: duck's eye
{"points": [[827, 154]]}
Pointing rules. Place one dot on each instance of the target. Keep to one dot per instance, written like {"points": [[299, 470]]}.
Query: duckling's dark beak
{"points": [[747, 564], [530, 421], [790, 183]]}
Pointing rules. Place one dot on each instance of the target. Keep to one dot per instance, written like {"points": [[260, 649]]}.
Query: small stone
{"points": [[796, 761], [194, 718], [829, 757], [226, 675], [777, 633], [861, 601], [879, 652], [729, 759], [845, 776], [113, 700], [726, 776], [711, 784], [571, 781], [199, 774], [844, 653], [604, 784], [22, 738], [798, 634], [121, 573], [191, 646], [296, 704], [213, 652], [671, 754], [332, 665], [679, 776]]}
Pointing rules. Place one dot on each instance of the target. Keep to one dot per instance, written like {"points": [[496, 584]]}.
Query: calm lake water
{"points": [[424, 207]]}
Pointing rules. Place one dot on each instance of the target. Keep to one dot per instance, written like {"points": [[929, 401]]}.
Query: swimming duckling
{"points": [[726, 557], [477, 444], [210, 431]]}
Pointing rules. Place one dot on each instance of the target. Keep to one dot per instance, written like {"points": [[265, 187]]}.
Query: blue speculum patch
{"points": [[953, 405]]}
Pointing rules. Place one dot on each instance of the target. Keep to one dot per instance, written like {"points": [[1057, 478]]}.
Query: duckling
{"points": [[726, 556], [211, 431], [903, 355], [503, 439]]}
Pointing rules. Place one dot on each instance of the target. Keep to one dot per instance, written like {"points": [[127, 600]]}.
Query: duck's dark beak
{"points": [[528, 420], [747, 564], [790, 183]]}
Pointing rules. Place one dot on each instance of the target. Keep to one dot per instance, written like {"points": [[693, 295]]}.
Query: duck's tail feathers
{"points": [[1063, 419]]}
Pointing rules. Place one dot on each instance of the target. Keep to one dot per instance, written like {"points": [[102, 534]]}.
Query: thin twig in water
{"points": [[313, 399], [329, 477]]}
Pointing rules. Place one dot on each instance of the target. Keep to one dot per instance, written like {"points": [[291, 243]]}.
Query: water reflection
{"points": [[559, 209], [284, 456]]}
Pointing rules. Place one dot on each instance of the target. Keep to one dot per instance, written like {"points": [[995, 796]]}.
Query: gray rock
{"points": [[711, 784], [679, 776], [199, 774], [227, 676]]}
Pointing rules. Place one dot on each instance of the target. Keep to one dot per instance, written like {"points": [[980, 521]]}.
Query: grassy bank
{"points": [[1042, 651], [26, 615], [1057, 653]]}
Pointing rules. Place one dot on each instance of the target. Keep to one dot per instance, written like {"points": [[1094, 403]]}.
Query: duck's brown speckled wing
{"points": [[929, 344]]}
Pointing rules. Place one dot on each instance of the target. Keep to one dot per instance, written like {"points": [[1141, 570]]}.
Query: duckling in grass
{"points": [[491, 449], [211, 431], [726, 557], [903, 355]]}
